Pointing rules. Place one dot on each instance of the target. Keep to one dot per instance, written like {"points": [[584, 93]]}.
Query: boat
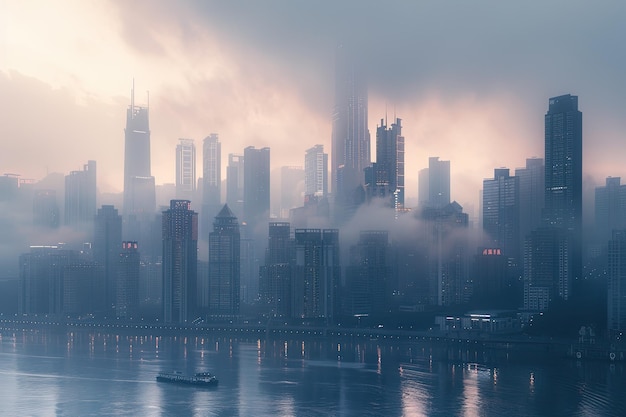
{"points": [[202, 379]]}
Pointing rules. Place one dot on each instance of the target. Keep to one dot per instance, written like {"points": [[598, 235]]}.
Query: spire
{"points": [[225, 213], [132, 98]]}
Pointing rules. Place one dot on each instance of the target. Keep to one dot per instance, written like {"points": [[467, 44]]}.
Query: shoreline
{"points": [[510, 342]]}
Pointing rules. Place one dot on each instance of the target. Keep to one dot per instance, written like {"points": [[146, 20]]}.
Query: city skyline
{"points": [[445, 100]]}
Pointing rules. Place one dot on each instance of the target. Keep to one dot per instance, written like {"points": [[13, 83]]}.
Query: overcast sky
{"points": [[470, 79]]}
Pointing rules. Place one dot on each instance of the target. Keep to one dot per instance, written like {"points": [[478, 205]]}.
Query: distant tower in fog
{"points": [[256, 185], [180, 259], [46, 209], [531, 195], [185, 169], [610, 208], [234, 183], [385, 178], [316, 172], [80, 197], [350, 136], [139, 189], [211, 182], [438, 182], [501, 210], [291, 189]]}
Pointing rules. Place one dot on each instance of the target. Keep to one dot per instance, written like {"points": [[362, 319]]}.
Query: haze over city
{"points": [[470, 81]]}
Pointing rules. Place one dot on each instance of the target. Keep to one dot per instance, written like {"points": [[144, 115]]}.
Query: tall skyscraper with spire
{"points": [[139, 190], [350, 135]]}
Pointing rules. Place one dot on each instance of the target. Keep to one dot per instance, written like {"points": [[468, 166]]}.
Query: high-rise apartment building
{"points": [[553, 253], [350, 135], [610, 209], [531, 196], [53, 280], [234, 183], [224, 265], [617, 283], [127, 284], [80, 197], [317, 274], [275, 275], [316, 172], [438, 182], [186, 170], [501, 210], [369, 277], [139, 188], [180, 258], [256, 186], [106, 249], [211, 182]]}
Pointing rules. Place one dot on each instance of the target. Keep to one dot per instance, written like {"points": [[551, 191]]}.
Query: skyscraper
{"points": [[80, 197], [139, 194], [256, 186], [350, 136], [386, 176], [610, 208], [553, 253], [564, 176], [180, 258], [46, 209], [317, 274], [368, 278], [617, 282], [127, 284], [275, 275], [224, 264], [316, 172], [501, 211], [438, 182], [291, 189], [531, 196], [234, 183], [186, 170], [211, 182], [564, 162], [106, 249]]}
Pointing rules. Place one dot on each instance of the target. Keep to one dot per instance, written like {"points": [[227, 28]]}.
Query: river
{"points": [[86, 373]]}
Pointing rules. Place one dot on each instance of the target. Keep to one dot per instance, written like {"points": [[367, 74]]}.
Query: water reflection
{"points": [[291, 377]]}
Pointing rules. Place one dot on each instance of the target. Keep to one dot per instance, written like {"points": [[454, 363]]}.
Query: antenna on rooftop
{"points": [[132, 98]]}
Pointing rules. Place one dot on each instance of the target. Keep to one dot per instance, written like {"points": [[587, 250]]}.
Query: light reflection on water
{"points": [[90, 373]]}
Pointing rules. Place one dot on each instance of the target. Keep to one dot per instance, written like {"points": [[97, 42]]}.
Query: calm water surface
{"points": [[44, 373]]}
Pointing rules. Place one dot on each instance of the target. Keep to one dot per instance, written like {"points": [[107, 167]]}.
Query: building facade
{"points": [[139, 187], [180, 259], [80, 197], [224, 265], [211, 182], [186, 170]]}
